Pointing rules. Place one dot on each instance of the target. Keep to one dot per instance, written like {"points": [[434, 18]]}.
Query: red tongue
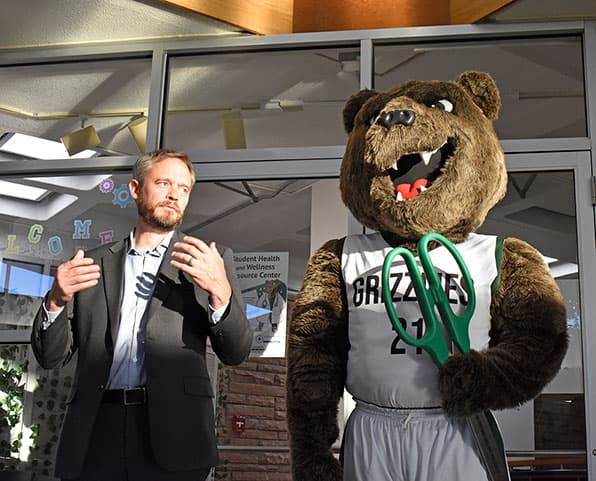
{"points": [[409, 191]]}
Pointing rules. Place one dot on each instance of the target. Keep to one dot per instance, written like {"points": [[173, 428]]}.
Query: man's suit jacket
{"points": [[180, 396]]}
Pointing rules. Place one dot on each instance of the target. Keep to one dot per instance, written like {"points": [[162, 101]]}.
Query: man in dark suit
{"points": [[138, 314]]}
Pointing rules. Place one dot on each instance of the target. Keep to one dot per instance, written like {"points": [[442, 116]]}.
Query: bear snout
{"points": [[397, 117]]}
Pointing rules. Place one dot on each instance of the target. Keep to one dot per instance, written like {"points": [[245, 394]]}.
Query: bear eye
{"points": [[442, 104], [372, 118]]}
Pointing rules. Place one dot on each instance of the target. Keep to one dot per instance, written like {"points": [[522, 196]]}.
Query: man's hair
{"points": [[148, 160]]}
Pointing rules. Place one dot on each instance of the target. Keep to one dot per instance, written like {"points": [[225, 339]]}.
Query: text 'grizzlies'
{"points": [[367, 289]]}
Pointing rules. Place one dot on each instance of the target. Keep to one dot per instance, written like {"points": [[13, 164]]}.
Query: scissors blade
{"points": [[490, 445]]}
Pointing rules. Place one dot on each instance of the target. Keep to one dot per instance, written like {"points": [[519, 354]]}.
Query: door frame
{"points": [[578, 162]]}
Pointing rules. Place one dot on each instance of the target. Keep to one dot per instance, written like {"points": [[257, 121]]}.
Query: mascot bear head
{"points": [[423, 157]]}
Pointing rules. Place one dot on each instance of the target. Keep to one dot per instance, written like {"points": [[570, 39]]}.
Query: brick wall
{"points": [[256, 391]]}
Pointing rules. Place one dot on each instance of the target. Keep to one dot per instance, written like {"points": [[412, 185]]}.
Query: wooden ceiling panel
{"points": [[332, 15], [258, 16], [292, 16], [472, 11]]}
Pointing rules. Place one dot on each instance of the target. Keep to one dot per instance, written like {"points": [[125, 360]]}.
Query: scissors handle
{"points": [[457, 326], [432, 341]]}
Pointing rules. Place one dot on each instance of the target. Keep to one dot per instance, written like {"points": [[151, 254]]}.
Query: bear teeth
{"points": [[427, 154]]}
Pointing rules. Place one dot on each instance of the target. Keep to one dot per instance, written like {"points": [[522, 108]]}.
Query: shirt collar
{"points": [[159, 250]]}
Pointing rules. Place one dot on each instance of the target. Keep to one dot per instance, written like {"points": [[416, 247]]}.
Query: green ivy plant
{"points": [[13, 367]]}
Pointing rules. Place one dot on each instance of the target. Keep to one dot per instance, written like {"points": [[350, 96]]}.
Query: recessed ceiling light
{"points": [[20, 191], [38, 148]]}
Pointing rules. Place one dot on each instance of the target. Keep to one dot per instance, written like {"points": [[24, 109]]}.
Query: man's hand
{"points": [[205, 266], [72, 276]]}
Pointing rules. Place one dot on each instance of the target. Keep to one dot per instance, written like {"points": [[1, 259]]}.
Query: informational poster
{"points": [[263, 280]]}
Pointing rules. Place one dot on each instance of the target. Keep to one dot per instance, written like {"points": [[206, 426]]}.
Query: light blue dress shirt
{"points": [[140, 274]]}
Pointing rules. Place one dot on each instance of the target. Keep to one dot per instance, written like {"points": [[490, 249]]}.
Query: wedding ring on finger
{"points": [[189, 260]]}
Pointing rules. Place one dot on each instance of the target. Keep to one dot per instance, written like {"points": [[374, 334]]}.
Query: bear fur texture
{"points": [[464, 179]]}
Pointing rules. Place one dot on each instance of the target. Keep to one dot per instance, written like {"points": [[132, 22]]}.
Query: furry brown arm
{"points": [[528, 340], [317, 355]]}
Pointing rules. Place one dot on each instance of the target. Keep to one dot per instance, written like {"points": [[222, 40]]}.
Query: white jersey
{"points": [[382, 369]]}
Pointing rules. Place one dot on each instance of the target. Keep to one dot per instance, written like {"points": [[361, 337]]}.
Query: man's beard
{"points": [[149, 215]]}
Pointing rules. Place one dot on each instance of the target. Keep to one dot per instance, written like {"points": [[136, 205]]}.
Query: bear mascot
{"points": [[421, 158]]}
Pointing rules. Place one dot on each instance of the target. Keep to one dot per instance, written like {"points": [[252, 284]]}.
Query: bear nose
{"points": [[397, 117]]}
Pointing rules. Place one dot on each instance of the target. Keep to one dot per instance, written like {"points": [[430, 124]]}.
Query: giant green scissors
{"points": [[432, 299], [433, 341]]}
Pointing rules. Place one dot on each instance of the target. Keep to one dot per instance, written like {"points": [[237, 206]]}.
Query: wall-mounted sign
{"points": [[263, 279]]}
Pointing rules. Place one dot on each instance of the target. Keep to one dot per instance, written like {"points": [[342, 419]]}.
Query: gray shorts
{"points": [[382, 444]]}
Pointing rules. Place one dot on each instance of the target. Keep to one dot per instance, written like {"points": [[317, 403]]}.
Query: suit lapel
{"points": [[112, 265]]}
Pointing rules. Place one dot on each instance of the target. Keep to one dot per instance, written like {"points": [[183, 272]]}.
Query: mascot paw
{"points": [[463, 385]]}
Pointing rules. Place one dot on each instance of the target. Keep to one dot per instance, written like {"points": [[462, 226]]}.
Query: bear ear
{"points": [[483, 90], [353, 105]]}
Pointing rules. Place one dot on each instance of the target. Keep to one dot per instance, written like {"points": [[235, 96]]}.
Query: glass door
{"points": [[548, 205]]}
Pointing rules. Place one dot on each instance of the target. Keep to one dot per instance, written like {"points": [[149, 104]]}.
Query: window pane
{"points": [[267, 225], [260, 99], [21, 284], [53, 101], [539, 208], [256, 215], [543, 98], [263, 216]]}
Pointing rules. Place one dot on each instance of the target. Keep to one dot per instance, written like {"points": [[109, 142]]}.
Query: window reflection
{"points": [[23, 278], [539, 208], [256, 215], [545, 97], [260, 99], [105, 95]]}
